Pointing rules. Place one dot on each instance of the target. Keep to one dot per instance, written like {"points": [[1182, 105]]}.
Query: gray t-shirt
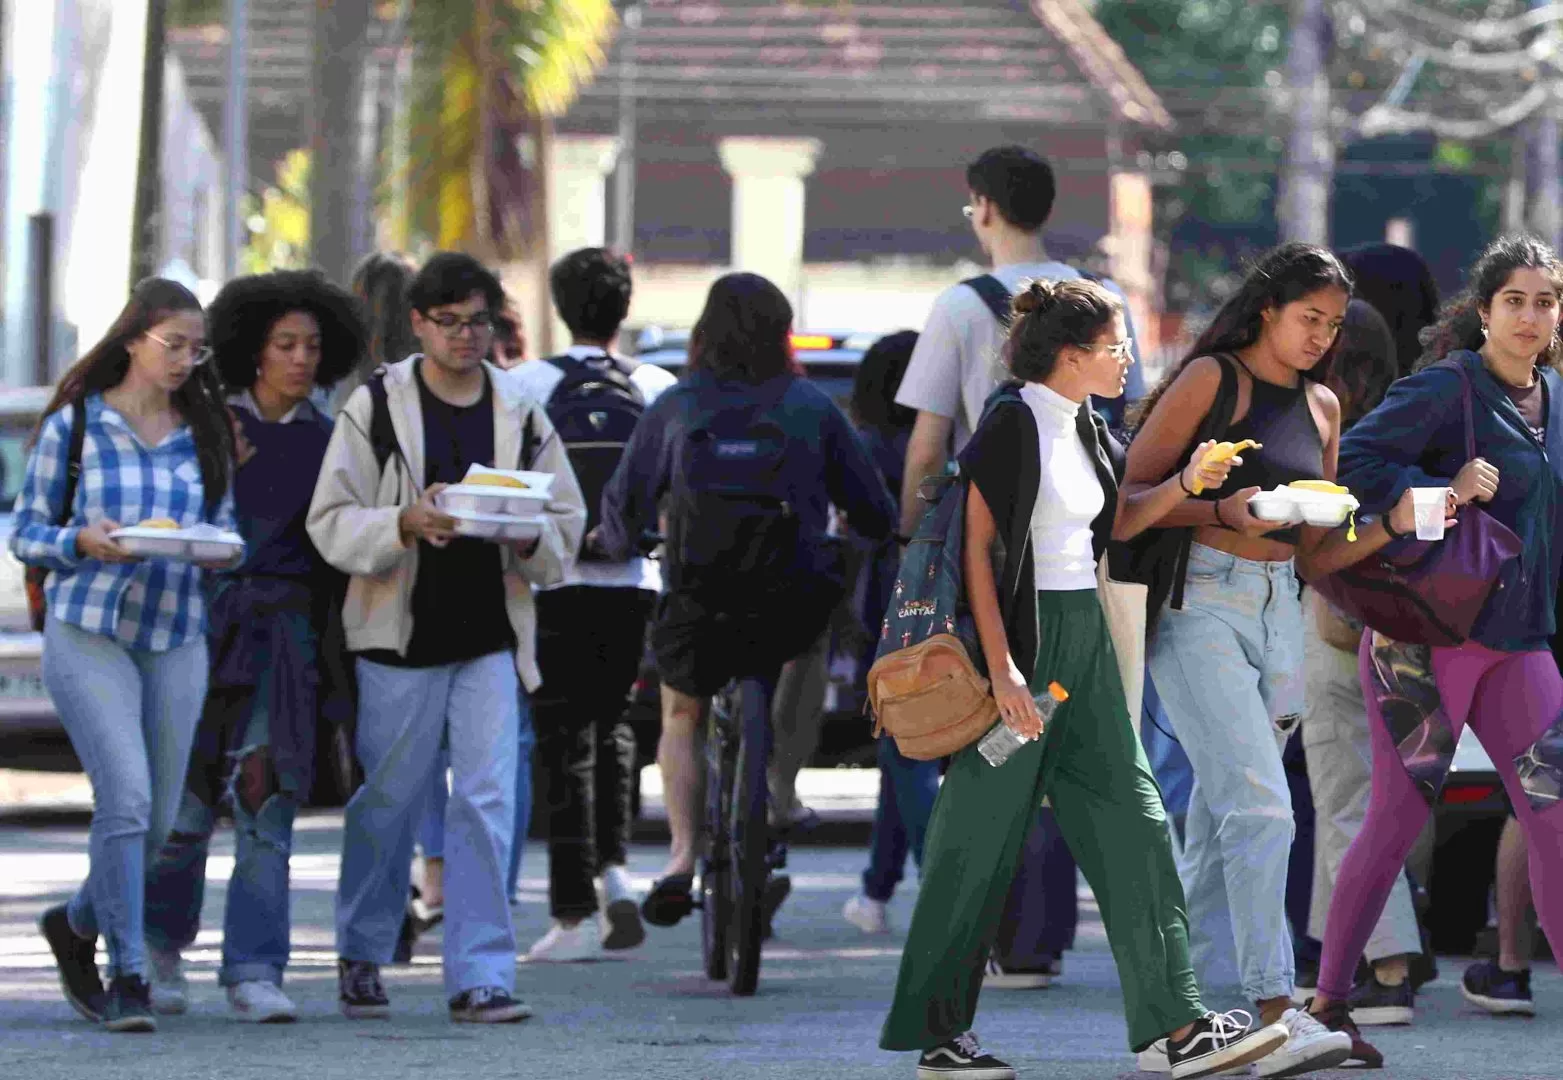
{"points": [[958, 359]]}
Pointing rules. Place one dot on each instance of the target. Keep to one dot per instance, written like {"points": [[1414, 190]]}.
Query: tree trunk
{"points": [[146, 241], [340, 43], [1545, 187], [1308, 168]]}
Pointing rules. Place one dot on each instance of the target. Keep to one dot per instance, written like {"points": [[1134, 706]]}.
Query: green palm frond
{"points": [[483, 71]]}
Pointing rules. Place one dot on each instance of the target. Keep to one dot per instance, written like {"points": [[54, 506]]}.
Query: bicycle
{"points": [[739, 856]]}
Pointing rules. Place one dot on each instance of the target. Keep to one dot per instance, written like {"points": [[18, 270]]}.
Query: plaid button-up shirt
{"points": [[152, 604]]}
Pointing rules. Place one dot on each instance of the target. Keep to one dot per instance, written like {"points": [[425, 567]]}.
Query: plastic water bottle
{"points": [[1000, 741]]}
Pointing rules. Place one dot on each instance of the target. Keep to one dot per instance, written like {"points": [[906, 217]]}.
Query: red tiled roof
{"points": [[989, 60]]}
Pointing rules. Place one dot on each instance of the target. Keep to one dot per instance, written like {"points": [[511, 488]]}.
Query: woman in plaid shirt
{"points": [[124, 647]]}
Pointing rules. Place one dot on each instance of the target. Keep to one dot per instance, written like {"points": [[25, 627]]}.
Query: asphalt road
{"points": [[822, 996]]}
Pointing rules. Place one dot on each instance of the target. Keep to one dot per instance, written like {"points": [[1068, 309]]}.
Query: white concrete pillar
{"points": [[578, 167], [768, 192]]}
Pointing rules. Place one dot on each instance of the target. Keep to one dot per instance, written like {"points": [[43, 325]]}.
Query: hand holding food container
{"points": [[502, 505], [162, 538], [1314, 502]]}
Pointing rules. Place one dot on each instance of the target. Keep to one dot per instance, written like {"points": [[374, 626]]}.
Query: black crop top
{"points": [[1279, 419]]}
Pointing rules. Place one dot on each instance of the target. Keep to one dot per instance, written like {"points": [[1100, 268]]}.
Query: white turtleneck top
{"points": [[1068, 499]]}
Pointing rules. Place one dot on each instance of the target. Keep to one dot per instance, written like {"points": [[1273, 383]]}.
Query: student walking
{"points": [[1228, 663], [442, 627], [1501, 340], [1041, 503], [276, 338], [591, 627], [136, 431]]}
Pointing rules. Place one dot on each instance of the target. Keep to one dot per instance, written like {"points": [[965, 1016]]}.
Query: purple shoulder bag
{"points": [[1429, 592]]}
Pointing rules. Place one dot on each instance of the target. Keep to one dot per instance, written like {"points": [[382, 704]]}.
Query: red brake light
{"points": [[1463, 794], [813, 341]]}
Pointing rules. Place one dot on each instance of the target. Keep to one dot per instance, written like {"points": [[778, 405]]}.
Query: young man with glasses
{"points": [[954, 368], [442, 627]]}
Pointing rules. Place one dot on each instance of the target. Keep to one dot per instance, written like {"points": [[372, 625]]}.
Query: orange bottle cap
{"points": [[1058, 692]]}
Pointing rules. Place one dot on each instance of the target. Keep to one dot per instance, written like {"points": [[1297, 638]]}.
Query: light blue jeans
{"points": [[404, 715], [131, 716], [431, 825], [1229, 670]]}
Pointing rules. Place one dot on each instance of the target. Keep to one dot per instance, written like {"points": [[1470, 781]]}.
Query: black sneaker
{"points": [[999, 977], [487, 1005], [360, 995], [1375, 1005], [1337, 1017], [961, 1057], [129, 1005], [1499, 992], [77, 959], [1222, 1041], [777, 888]]}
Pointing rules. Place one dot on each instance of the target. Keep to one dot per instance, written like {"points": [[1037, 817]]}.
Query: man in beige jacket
{"points": [[443, 629]]}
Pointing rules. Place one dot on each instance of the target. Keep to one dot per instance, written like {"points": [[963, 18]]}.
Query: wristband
{"points": [[1390, 529], [1219, 519], [1186, 489]]}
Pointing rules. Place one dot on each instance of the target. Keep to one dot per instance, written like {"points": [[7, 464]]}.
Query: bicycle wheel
{"points": [[750, 840], [715, 863]]}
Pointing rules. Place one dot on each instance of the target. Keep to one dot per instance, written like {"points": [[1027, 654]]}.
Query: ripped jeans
{"points": [[232, 764], [1228, 668]]}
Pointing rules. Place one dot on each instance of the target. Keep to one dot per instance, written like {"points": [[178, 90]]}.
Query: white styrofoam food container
{"points": [[1321, 508], [498, 527], [200, 543], [532, 498]]}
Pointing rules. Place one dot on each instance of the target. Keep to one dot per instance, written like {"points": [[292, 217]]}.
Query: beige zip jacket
{"points": [[353, 516]]}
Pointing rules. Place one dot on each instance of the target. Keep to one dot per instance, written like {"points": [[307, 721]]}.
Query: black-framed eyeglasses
{"points": [[199, 354], [452, 325]]}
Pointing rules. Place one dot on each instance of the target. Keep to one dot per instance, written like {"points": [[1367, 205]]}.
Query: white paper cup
{"points": [[1430, 505]]}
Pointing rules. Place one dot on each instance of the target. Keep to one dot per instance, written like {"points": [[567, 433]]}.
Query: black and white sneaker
{"points": [[999, 977], [961, 1057], [1222, 1041], [360, 995], [77, 959], [129, 1005], [1503, 993], [487, 1005], [1375, 1005]]}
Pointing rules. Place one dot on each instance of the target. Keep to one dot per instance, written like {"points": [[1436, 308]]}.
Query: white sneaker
{"points": [[170, 988], [566, 944], [999, 977], [260, 1002], [867, 915], [619, 922], [1309, 1046]]}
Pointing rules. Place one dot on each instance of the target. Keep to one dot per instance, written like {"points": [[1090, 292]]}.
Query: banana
{"points": [[493, 480], [1319, 485], [158, 523], [1224, 451]]}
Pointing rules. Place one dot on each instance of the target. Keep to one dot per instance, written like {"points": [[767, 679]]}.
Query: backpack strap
{"points": [[78, 441], [993, 293], [382, 433], [1217, 420]]}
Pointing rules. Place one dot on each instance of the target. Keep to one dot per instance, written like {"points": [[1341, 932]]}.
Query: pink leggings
{"points": [[1419, 700]]}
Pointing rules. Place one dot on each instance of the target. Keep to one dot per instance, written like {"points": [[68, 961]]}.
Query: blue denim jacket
{"points": [[1416, 438]]}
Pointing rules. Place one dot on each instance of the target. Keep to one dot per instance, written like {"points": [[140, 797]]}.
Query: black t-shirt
{"points": [[1531, 401], [458, 600]]}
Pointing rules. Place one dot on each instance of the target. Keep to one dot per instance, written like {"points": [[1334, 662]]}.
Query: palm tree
{"points": [[485, 74]]}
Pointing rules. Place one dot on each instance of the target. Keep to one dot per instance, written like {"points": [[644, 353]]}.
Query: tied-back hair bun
{"points": [[1038, 295]]}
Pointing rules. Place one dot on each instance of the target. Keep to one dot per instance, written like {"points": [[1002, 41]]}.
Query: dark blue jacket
{"points": [[834, 468], [1416, 438]]}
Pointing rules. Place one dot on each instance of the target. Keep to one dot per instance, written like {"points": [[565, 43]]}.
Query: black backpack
{"points": [[383, 440], [732, 532], [594, 408]]}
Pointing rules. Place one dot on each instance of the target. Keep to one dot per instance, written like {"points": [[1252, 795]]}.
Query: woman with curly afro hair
{"points": [[277, 339]]}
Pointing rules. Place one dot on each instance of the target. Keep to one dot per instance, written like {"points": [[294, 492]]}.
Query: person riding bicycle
{"points": [[749, 457]]}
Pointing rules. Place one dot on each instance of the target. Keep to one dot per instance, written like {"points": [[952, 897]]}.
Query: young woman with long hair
{"points": [[124, 647], [1228, 664], [1041, 503], [276, 338], [740, 362], [1503, 334]]}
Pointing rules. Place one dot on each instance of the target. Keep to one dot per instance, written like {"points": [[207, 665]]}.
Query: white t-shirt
{"points": [[538, 378], [959, 355], [1069, 496]]}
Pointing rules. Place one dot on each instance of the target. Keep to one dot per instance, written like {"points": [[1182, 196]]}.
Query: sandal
{"points": [[670, 900]]}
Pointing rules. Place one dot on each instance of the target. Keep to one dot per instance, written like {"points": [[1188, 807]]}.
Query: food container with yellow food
{"points": [[160, 538], [507, 528], [1316, 502], [509, 493]]}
